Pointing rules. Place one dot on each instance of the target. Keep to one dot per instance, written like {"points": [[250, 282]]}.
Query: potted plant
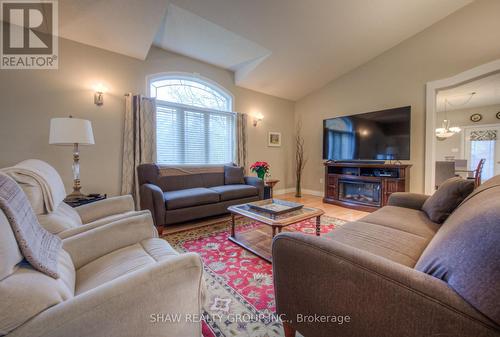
{"points": [[261, 168]]}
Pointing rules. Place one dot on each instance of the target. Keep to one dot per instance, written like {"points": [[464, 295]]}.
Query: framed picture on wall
{"points": [[274, 139]]}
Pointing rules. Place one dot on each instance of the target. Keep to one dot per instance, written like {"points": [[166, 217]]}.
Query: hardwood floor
{"points": [[260, 238], [308, 200], [330, 210]]}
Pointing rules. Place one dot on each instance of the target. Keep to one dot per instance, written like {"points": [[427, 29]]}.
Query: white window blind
{"points": [[195, 124], [194, 136]]}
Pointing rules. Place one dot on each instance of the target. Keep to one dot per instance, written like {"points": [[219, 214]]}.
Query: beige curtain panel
{"points": [[241, 140], [139, 140]]}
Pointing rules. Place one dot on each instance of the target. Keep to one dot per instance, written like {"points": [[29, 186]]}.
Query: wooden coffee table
{"points": [[259, 243]]}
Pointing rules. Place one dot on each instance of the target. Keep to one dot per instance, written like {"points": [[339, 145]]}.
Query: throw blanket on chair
{"points": [[45, 175], [39, 247]]}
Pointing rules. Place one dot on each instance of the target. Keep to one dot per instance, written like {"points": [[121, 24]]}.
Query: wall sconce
{"points": [[257, 118], [99, 89]]}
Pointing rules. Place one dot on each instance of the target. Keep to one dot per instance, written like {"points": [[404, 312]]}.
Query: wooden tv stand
{"points": [[364, 186]]}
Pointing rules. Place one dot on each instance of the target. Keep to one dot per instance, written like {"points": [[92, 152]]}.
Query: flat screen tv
{"points": [[379, 135]]}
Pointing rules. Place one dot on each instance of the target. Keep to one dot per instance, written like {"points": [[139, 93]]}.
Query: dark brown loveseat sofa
{"points": [[396, 273], [178, 194]]}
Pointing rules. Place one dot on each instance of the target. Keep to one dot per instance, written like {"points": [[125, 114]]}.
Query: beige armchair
{"points": [[115, 280], [62, 219]]}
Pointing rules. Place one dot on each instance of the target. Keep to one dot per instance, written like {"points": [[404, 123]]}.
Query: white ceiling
{"points": [[487, 92], [122, 26], [315, 41], [191, 35], [285, 48]]}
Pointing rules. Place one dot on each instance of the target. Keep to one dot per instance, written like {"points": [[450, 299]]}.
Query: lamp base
{"points": [[75, 195]]}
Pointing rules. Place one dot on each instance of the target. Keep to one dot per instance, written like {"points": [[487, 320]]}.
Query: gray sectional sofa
{"points": [[396, 272], [178, 194]]}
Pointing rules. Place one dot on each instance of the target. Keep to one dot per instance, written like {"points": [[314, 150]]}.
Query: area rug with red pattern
{"points": [[240, 294]]}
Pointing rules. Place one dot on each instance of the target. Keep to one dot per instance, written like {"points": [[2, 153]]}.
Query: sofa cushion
{"points": [[231, 192], [27, 292], [63, 218], [190, 197], [233, 175], [391, 243], [121, 262], [174, 178], [465, 251], [405, 219], [448, 196]]}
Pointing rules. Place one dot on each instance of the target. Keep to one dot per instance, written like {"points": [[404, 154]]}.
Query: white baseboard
{"points": [[292, 189], [283, 191], [313, 192]]}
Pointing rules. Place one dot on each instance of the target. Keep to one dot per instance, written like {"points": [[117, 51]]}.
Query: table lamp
{"points": [[72, 131]]}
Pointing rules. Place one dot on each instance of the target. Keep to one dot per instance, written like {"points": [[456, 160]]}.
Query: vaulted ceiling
{"points": [[285, 48], [123, 26]]}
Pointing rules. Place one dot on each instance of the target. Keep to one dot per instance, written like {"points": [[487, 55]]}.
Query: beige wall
{"points": [[29, 99], [465, 39], [453, 146]]}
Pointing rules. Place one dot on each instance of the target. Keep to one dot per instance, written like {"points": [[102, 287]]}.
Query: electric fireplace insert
{"points": [[360, 192]]}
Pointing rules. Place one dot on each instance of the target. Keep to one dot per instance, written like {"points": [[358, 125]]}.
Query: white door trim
{"points": [[431, 115]]}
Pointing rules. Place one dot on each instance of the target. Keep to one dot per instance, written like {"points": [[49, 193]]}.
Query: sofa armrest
{"points": [[94, 224], [131, 305], [407, 200], [257, 182], [316, 276], [103, 208], [92, 244], [152, 198]]}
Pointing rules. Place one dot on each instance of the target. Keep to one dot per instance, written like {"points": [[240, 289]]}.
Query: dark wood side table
{"points": [[85, 200], [268, 187]]}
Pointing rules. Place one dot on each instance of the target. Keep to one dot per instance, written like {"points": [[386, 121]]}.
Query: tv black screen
{"points": [[378, 135]]}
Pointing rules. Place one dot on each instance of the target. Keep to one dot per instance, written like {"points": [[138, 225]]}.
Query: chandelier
{"points": [[445, 131]]}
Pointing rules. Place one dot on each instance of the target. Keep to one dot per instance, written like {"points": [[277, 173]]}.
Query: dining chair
{"points": [[478, 171]]}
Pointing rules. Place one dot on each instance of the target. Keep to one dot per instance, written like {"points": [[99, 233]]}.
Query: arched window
{"points": [[195, 122], [191, 91]]}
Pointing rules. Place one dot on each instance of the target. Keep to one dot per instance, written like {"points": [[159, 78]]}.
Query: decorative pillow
{"points": [[448, 196], [233, 175]]}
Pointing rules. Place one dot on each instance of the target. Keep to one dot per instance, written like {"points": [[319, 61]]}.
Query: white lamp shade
{"points": [[68, 131]]}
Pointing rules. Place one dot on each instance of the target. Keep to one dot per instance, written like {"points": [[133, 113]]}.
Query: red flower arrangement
{"points": [[261, 168]]}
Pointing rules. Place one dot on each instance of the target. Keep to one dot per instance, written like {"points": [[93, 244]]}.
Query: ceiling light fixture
{"points": [[445, 131]]}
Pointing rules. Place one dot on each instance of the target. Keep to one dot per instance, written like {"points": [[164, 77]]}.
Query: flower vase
{"points": [[298, 189], [261, 174]]}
